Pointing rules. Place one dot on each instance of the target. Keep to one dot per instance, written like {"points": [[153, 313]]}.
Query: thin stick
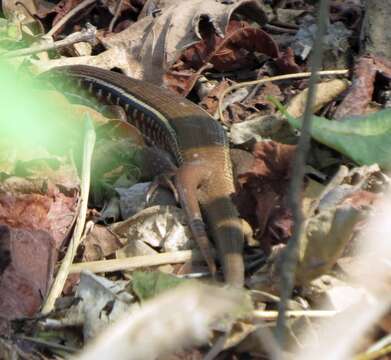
{"points": [[273, 315], [135, 262], [288, 267], [280, 29], [274, 78], [72, 13], [48, 344], [87, 35], [62, 274], [116, 14]]}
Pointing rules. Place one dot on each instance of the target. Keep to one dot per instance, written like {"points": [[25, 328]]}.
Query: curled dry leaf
{"points": [[99, 243], [357, 100], [232, 52], [158, 226], [153, 45], [286, 62], [261, 199], [262, 127], [325, 92], [361, 91]]}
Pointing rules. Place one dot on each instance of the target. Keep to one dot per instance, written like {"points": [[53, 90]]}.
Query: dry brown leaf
{"points": [[359, 96], [232, 52], [49, 210], [24, 8], [153, 45], [210, 102], [262, 196], [158, 226], [37, 208], [331, 225], [27, 260], [325, 92], [286, 62], [99, 243], [361, 91]]}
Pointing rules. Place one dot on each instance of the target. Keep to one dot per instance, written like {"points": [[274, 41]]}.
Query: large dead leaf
{"points": [[325, 93], [37, 209], [48, 209], [262, 196], [26, 266], [236, 50], [101, 302], [158, 226], [359, 96], [154, 44]]}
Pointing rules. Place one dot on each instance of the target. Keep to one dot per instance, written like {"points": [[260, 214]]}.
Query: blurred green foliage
{"points": [[31, 120]]}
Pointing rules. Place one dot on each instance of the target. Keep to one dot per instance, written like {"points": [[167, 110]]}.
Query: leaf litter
{"points": [[197, 48]]}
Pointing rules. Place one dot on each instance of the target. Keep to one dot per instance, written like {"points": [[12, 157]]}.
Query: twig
{"points": [[136, 262], [116, 14], [279, 29], [273, 315], [62, 274], [72, 13], [274, 78], [48, 344], [87, 35], [288, 267]]}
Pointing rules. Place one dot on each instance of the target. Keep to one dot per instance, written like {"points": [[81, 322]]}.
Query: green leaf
{"points": [[146, 285], [365, 140]]}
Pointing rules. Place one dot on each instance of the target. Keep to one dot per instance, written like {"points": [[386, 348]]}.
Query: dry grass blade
{"points": [[272, 315], [62, 274], [136, 262]]}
